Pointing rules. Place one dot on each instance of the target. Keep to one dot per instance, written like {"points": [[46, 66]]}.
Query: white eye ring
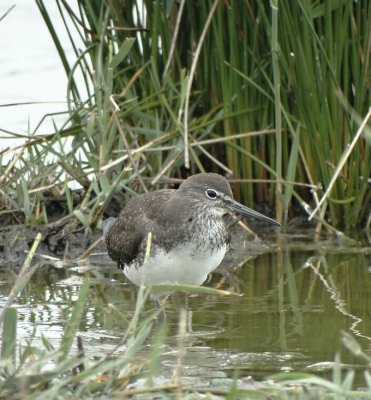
{"points": [[212, 194]]}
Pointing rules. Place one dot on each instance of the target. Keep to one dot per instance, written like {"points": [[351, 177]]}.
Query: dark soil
{"points": [[62, 237], [16, 241]]}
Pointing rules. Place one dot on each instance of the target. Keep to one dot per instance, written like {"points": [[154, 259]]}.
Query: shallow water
{"points": [[297, 296]]}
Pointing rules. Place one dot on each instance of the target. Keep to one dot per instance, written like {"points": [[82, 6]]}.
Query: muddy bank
{"points": [[70, 243], [16, 241], [63, 237]]}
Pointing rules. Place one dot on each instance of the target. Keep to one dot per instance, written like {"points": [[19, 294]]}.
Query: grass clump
{"points": [[267, 92]]}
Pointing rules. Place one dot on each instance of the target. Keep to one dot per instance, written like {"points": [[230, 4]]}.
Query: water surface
{"points": [[297, 296]]}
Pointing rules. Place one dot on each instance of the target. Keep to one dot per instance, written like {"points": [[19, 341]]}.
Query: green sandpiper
{"points": [[175, 236]]}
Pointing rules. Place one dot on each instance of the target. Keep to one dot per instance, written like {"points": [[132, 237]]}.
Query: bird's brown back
{"points": [[133, 224]]}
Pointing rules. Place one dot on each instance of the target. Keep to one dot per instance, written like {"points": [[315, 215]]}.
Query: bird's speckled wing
{"points": [[129, 233]]}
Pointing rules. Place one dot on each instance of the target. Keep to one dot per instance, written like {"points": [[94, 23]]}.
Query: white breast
{"points": [[188, 265]]}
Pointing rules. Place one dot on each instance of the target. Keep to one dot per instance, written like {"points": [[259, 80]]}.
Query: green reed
{"points": [[295, 72]]}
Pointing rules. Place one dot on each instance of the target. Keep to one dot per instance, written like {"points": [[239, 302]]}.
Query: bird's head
{"points": [[213, 194]]}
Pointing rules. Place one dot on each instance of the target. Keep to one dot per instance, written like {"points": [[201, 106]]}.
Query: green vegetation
{"points": [[275, 93], [272, 92]]}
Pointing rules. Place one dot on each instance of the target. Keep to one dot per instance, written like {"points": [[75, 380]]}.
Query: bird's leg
{"points": [[189, 314], [160, 305]]}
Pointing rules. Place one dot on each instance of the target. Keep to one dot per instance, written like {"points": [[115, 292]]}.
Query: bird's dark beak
{"points": [[243, 210]]}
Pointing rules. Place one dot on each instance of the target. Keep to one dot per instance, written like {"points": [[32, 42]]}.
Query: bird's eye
{"points": [[212, 194]]}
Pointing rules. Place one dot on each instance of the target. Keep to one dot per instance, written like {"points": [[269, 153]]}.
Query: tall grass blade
{"points": [[6, 12], [368, 379], [72, 324], [191, 289], [354, 347], [336, 371], [277, 107], [123, 52], [156, 353], [348, 381], [344, 157], [291, 173], [9, 334]]}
